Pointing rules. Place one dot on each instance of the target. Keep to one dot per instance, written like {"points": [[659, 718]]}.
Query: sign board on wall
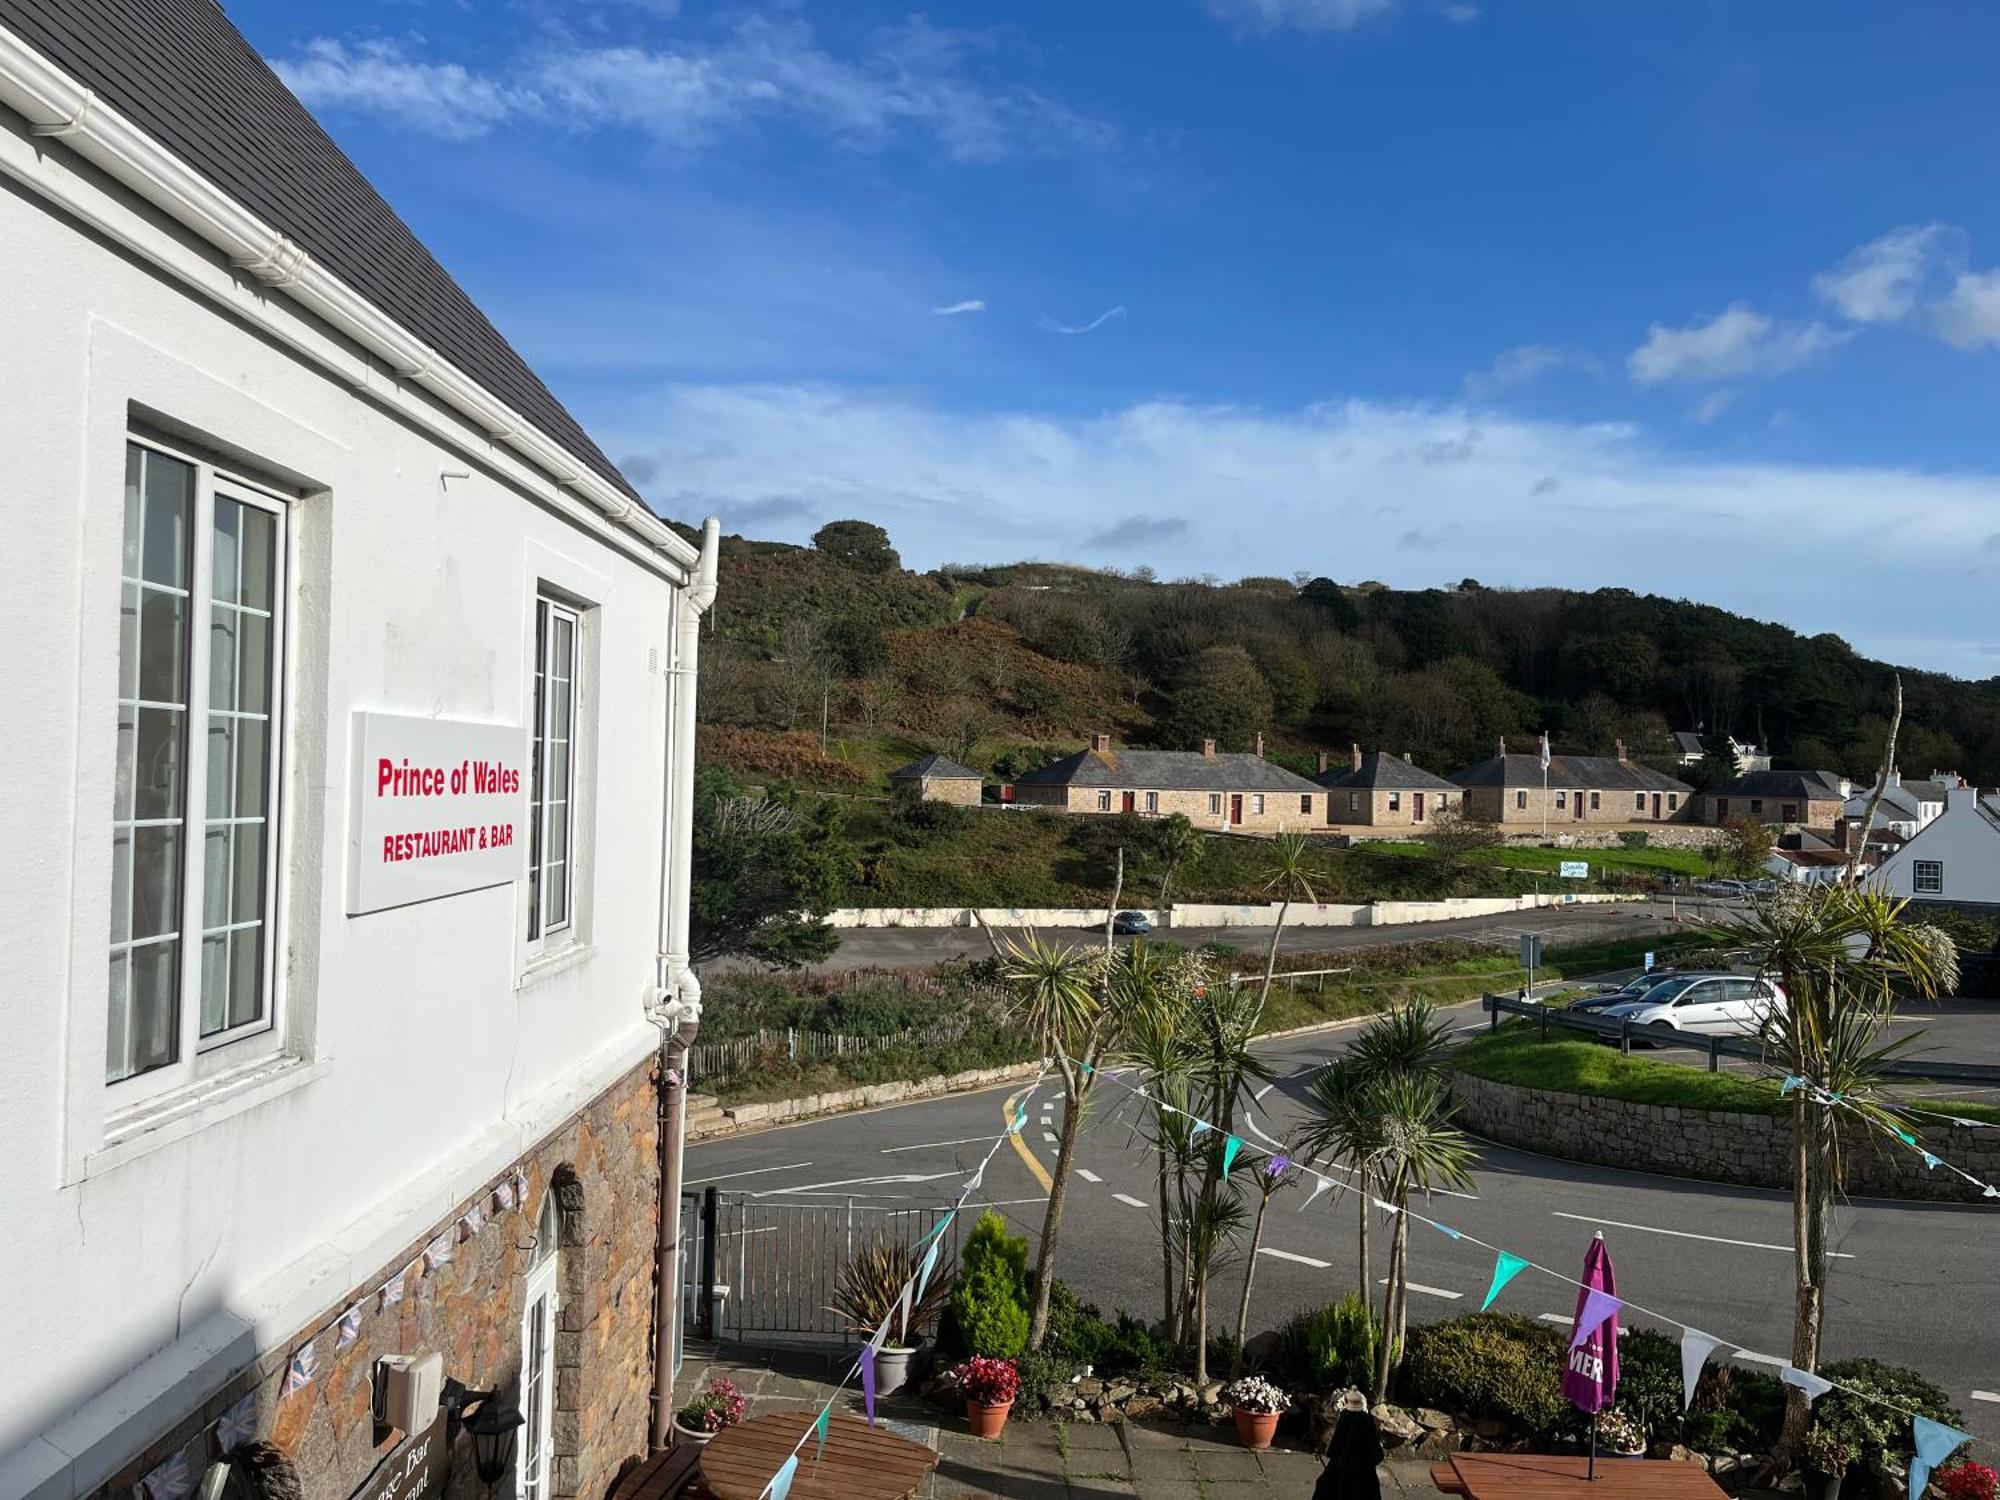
{"points": [[1575, 869], [414, 1471], [439, 806]]}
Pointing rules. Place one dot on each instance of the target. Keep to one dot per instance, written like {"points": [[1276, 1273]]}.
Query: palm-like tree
{"points": [[1843, 955], [1421, 1151], [1155, 995], [1268, 1184], [1289, 876], [1411, 1040], [1347, 1126]]}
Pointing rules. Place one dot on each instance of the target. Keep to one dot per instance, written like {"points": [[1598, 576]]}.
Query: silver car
{"points": [[1708, 1005]]}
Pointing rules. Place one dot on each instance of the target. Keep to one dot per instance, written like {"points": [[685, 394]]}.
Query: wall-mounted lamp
{"points": [[490, 1421]]}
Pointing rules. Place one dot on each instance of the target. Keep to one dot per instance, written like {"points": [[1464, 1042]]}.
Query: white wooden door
{"points": [[538, 1380]]}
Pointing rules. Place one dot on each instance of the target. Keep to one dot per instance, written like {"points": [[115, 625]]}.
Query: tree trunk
{"points": [[1271, 960], [1385, 1352], [1076, 1083], [1170, 1316], [1249, 1276], [1852, 874], [1200, 1334], [1367, 1268], [1812, 1193]]}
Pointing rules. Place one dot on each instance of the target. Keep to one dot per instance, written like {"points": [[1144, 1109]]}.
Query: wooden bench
{"points": [[1445, 1477], [673, 1475]]}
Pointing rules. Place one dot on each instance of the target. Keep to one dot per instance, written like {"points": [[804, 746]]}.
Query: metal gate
{"points": [[765, 1269]]}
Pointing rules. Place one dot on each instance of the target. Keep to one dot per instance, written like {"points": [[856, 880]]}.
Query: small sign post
{"points": [[1531, 959], [1649, 960]]}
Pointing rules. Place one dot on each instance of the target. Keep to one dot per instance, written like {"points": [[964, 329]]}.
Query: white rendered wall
{"points": [[1965, 839], [426, 1061]]}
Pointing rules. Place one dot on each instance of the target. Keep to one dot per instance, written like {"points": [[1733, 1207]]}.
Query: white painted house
{"points": [[1954, 858], [348, 747]]}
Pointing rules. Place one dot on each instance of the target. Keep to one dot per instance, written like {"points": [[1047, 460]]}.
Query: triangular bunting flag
{"points": [[819, 1429], [1199, 1125], [1906, 1138], [1696, 1347], [1229, 1149], [1279, 1163], [236, 1426], [1597, 1306], [1815, 1386], [1387, 1208], [1935, 1443], [781, 1482], [868, 1382], [924, 1271], [1446, 1230], [1991, 1191], [1020, 1122], [1930, 1161], [350, 1327], [1792, 1081], [1505, 1268], [1320, 1186], [903, 1307]]}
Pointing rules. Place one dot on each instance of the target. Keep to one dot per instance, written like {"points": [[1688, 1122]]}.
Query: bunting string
{"points": [[1821, 1095]]}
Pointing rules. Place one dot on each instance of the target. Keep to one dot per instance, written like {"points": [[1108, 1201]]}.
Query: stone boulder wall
{"points": [[1715, 1145]]}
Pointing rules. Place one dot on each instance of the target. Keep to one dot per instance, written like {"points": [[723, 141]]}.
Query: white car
{"points": [[1707, 1005]]}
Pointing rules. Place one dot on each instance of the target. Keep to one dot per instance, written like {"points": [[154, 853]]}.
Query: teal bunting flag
{"points": [[1229, 1149], [1930, 1161], [1020, 1122], [1199, 1125], [924, 1272], [1935, 1443], [1792, 1081], [1906, 1138], [1505, 1268], [819, 1429], [1446, 1230]]}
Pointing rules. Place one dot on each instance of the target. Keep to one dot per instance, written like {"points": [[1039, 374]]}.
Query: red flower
{"points": [[989, 1382], [1969, 1481]]}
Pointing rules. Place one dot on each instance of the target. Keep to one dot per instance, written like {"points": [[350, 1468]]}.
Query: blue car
{"points": [[1132, 923]]}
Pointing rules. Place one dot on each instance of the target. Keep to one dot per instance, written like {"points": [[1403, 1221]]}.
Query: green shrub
{"points": [[989, 1306], [1079, 1334], [1635, 838], [1735, 1411], [1649, 1382], [1491, 1365], [1870, 1427], [1327, 1350], [1045, 1378]]}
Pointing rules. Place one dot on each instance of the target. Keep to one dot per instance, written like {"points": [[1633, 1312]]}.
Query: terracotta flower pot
{"points": [[1255, 1429], [986, 1421]]}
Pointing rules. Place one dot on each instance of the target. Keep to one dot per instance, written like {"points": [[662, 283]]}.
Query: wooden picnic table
{"points": [[1542, 1476], [860, 1463]]}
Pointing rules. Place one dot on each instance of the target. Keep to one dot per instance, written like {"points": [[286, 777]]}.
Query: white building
{"points": [[349, 729], [1954, 858], [1907, 805]]}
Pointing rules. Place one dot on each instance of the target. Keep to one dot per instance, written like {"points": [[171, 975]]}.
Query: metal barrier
{"points": [[1625, 1031], [767, 1268]]}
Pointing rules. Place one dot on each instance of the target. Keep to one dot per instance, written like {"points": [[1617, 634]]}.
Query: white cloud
{"points": [[1735, 344], [912, 82], [1345, 487], [1968, 317], [1307, 15], [1711, 406], [1050, 325], [970, 305], [1882, 280], [1523, 365]]}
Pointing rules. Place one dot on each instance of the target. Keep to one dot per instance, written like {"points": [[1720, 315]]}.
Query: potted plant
{"points": [[719, 1405], [1619, 1434], [1826, 1457], [870, 1290], [1967, 1480], [989, 1387], [1257, 1405]]}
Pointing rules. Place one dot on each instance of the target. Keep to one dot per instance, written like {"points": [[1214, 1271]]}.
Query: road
{"points": [[1914, 1283], [915, 947]]}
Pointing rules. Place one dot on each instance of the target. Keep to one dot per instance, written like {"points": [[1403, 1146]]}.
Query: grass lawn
{"points": [[1647, 861], [1516, 1054]]}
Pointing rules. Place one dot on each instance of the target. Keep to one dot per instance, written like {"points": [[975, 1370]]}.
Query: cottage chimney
{"points": [[1323, 759], [1260, 744], [1101, 743], [1503, 744], [1896, 777], [1355, 751], [1409, 759], [1208, 749], [1619, 745]]}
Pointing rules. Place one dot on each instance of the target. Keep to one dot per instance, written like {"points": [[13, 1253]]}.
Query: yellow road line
{"points": [[1008, 1110]]}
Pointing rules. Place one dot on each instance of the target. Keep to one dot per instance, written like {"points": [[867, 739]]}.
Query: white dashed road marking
{"points": [[752, 1172], [1049, 1136], [1304, 1260], [1993, 1396], [1087, 1175], [1429, 1291], [1128, 1198]]}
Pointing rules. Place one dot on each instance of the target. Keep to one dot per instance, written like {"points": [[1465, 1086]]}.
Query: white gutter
{"points": [[57, 106], [678, 998]]}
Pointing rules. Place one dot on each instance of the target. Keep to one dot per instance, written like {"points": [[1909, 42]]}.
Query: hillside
{"points": [[1005, 666]]}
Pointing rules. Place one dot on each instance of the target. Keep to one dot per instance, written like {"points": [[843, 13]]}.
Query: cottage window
{"points": [[1674, 801], [1594, 803], [1927, 877], [1562, 799], [1520, 799], [1257, 803], [1638, 801], [552, 772], [1152, 802], [1395, 802], [1756, 807], [1789, 812], [1306, 803], [1104, 802], [1721, 809], [1215, 804], [194, 818], [1354, 802]]}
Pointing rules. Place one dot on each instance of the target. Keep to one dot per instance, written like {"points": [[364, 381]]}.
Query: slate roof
{"points": [[1390, 772], [1807, 786], [181, 72], [1168, 770], [1689, 743], [935, 765], [1600, 773]]}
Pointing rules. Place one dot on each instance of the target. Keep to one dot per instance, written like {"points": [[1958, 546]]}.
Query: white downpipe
{"points": [[676, 978], [56, 106]]}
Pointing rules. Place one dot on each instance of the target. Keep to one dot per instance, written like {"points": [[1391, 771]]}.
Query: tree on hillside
{"points": [[1452, 838], [1220, 695], [855, 640], [858, 544], [1742, 848], [1177, 845], [1330, 599], [766, 873]]}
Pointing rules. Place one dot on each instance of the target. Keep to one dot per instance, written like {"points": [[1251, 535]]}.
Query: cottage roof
{"points": [[1390, 772], [181, 72], [1168, 770], [935, 766], [1808, 786], [1600, 773], [1688, 742]]}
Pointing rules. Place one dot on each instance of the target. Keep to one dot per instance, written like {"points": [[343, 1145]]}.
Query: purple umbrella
{"points": [[1590, 1369]]}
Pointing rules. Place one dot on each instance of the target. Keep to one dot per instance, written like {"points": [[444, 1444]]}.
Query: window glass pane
{"points": [[214, 983], [246, 977], [135, 523], [222, 685], [222, 733], [247, 872], [215, 879], [156, 768], [154, 900], [167, 500], [260, 563], [143, 1011], [121, 885], [227, 561], [253, 768], [162, 645], [253, 663]]}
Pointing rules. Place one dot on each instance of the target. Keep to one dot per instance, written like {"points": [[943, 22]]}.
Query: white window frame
{"points": [[1257, 803], [1395, 802], [550, 611], [1521, 801], [1562, 800], [199, 1059], [541, 1299], [1595, 804], [1215, 804], [1152, 802], [1354, 802], [1927, 877], [1104, 800], [1306, 803]]}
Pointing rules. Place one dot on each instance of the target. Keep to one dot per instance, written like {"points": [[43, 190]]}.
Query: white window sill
{"points": [[552, 961], [144, 1129]]}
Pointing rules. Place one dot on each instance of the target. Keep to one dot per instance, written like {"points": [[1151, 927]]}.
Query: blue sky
{"points": [[1697, 298]]}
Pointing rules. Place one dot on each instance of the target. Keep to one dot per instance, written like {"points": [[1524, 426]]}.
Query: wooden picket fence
{"points": [[722, 1059]]}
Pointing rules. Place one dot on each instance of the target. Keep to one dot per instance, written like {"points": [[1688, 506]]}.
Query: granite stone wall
{"points": [[602, 1168], [1713, 1144]]}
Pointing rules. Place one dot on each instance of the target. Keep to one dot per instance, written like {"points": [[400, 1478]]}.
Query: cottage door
{"points": [[1131, 801], [1416, 807], [1656, 807], [1236, 808]]}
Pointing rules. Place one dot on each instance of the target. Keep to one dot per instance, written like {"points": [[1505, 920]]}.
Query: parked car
{"points": [[1633, 989], [1707, 1005], [1132, 923], [1723, 890]]}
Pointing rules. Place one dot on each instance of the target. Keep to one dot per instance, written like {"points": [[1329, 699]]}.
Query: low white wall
{"points": [[1321, 914]]}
